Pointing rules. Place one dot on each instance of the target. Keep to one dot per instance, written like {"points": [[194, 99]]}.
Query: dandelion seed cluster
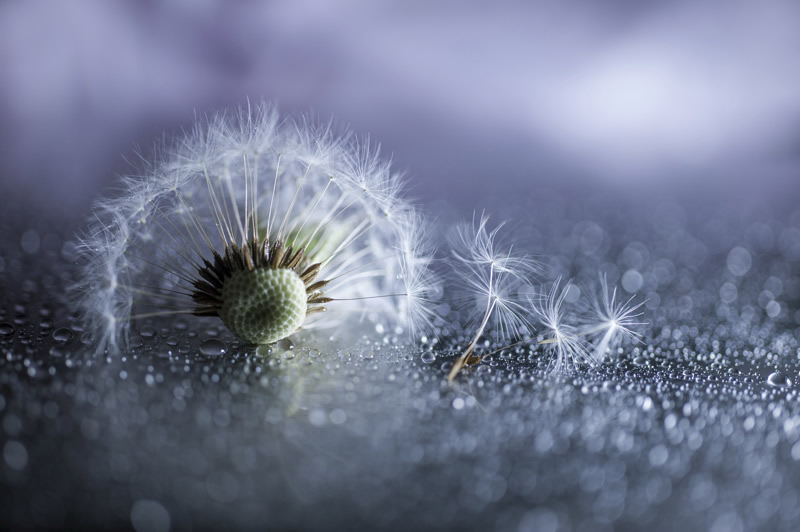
{"points": [[263, 223], [499, 289]]}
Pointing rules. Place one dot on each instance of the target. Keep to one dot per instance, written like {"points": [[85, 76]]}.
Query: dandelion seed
{"points": [[492, 280], [264, 224], [562, 341], [612, 320]]}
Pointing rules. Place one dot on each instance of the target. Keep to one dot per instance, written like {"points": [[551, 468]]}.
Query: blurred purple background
{"points": [[480, 101]]}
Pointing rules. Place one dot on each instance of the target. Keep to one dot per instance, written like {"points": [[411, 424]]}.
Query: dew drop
{"points": [[149, 515], [213, 347], [428, 357], [57, 351], [264, 350], [778, 379], [31, 242], [6, 329], [62, 335], [15, 455]]}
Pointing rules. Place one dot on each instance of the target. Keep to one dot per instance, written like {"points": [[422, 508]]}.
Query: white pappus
{"points": [[491, 277]]}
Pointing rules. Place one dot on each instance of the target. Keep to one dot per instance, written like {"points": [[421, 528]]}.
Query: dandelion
{"points": [[264, 224], [492, 278]]}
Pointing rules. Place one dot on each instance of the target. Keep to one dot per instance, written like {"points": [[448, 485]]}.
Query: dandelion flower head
{"points": [[269, 224]]}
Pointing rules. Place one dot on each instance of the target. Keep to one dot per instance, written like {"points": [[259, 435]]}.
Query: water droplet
{"points": [[428, 357], [778, 379], [6, 329], [264, 350], [62, 335], [31, 242], [149, 515], [15, 454], [213, 347], [57, 351]]}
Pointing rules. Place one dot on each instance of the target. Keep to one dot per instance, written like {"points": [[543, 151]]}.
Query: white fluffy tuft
{"points": [[612, 320], [562, 340]]}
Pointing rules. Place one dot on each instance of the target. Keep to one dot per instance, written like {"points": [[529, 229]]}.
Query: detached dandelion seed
{"points": [[263, 223], [562, 341], [612, 320], [492, 279]]}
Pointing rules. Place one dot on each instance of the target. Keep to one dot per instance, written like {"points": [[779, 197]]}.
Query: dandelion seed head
{"points": [[263, 223], [265, 306]]}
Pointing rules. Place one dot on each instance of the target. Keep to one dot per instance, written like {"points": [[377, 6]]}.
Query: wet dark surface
{"points": [[695, 428]]}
